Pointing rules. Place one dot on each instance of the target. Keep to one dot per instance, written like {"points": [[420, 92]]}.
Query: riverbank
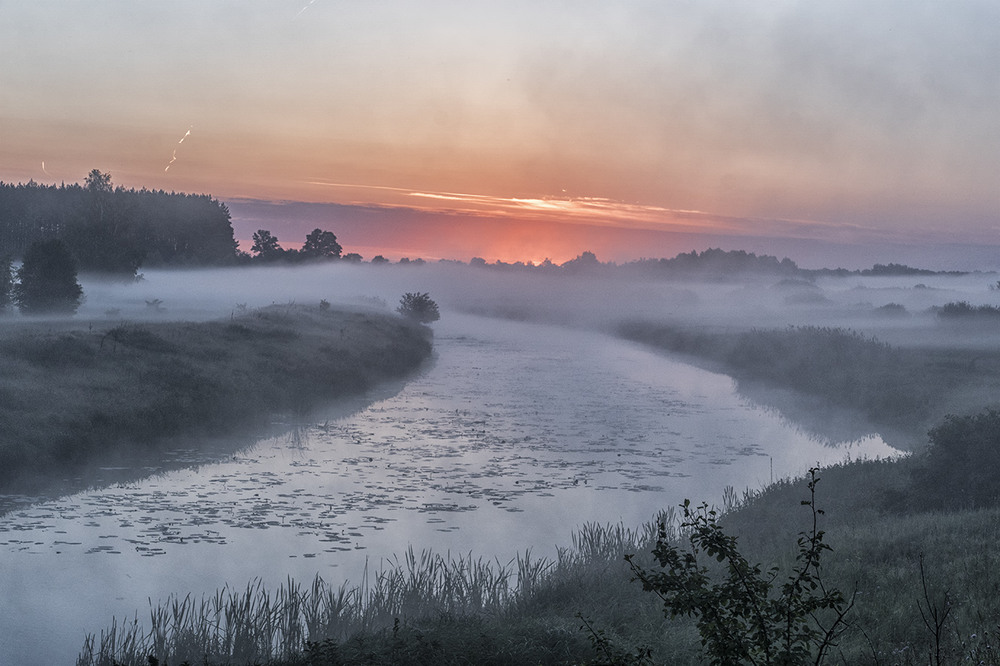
{"points": [[902, 390], [586, 607], [78, 395]]}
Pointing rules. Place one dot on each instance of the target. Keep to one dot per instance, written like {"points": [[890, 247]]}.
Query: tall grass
{"points": [[257, 625], [906, 389], [424, 608]]}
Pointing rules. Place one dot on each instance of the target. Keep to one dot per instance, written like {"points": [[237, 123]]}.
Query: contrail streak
{"points": [[174, 157], [303, 9], [43, 169]]}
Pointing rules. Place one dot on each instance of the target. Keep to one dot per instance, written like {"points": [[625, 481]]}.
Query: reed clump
{"points": [[421, 608]]}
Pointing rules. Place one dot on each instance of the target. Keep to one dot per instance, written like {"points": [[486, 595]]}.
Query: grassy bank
{"points": [[77, 395], [426, 610], [913, 570], [904, 390], [584, 608]]}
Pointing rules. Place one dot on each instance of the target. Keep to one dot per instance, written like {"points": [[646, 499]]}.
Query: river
{"points": [[513, 435]]}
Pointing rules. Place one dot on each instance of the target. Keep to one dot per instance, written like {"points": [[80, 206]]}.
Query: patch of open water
{"points": [[515, 436]]}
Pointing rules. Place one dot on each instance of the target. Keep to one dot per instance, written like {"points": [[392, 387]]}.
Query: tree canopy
{"points": [[321, 244], [265, 246], [47, 280], [419, 307], [115, 230]]}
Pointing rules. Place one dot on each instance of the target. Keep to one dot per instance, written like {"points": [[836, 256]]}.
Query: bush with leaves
{"points": [[741, 616], [419, 307], [320, 244], [47, 280], [957, 470]]}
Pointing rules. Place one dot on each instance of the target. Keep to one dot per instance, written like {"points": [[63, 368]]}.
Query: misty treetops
{"points": [[114, 231]]}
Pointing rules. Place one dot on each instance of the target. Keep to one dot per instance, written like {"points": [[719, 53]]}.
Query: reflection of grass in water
{"points": [[72, 395], [258, 626], [905, 389], [466, 611]]}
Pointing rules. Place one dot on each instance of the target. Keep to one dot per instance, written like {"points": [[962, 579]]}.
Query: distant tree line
{"points": [[965, 310], [113, 230], [709, 264], [895, 269], [713, 263], [319, 245]]}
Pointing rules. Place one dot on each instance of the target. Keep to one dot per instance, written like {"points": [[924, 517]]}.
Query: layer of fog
{"points": [[897, 309]]}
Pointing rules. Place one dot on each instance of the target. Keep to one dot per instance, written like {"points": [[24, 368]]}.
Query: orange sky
{"points": [[844, 122]]}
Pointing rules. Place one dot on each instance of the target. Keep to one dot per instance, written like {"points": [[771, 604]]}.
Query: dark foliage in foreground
{"points": [[743, 618], [46, 280], [958, 470]]}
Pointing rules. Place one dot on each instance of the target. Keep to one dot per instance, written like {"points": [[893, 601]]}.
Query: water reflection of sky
{"points": [[515, 436]]}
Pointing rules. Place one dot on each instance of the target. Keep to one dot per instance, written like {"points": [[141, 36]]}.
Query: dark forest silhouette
{"points": [[113, 230]]}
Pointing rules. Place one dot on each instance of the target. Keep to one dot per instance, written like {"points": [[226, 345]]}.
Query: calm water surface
{"points": [[514, 436]]}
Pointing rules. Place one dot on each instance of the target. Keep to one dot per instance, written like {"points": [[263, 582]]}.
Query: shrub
{"points": [[418, 307], [959, 309], [741, 618], [959, 468]]}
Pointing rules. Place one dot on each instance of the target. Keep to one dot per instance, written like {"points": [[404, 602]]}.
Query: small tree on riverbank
{"points": [[742, 619], [418, 307]]}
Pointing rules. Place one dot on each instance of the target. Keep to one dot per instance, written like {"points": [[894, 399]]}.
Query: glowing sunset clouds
{"points": [[849, 120]]}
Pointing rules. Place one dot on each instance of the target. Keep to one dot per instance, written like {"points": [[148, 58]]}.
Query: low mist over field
{"points": [[601, 297], [300, 299], [555, 395]]}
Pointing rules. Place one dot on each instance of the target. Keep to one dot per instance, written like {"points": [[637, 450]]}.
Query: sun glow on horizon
{"points": [[600, 211], [524, 130]]}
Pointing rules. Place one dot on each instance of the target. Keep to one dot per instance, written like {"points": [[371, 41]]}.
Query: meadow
{"points": [[79, 395], [917, 557]]}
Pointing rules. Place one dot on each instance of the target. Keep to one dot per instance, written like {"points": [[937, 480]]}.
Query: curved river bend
{"points": [[516, 435]]}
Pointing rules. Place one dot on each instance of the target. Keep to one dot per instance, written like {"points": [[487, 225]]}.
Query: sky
{"points": [[521, 130]]}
